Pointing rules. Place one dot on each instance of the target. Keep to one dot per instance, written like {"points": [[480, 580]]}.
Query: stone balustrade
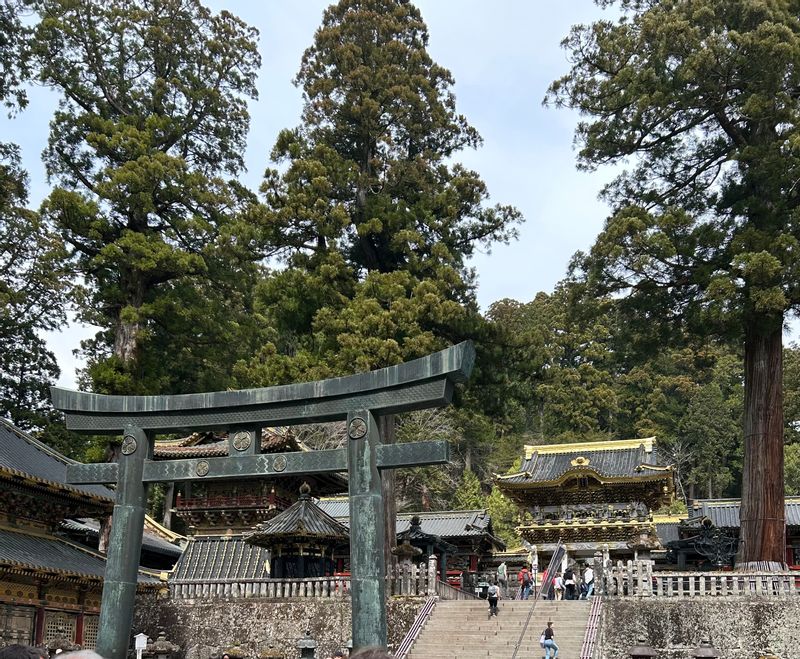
{"points": [[319, 587], [405, 580], [639, 579]]}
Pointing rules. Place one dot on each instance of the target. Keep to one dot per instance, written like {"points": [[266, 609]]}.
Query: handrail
{"points": [[592, 627], [416, 627], [546, 577]]}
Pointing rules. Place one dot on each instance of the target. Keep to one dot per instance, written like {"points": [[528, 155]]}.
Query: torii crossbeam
{"points": [[359, 399]]}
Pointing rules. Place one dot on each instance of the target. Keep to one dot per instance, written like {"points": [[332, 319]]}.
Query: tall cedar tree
{"points": [[369, 186], [376, 220], [704, 95], [32, 271], [32, 299], [153, 113]]}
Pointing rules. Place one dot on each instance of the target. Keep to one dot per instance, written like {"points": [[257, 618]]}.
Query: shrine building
{"points": [[51, 574], [708, 537], [592, 496], [219, 514]]}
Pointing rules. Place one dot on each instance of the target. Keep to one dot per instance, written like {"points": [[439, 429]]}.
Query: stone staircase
{"points": [[463, 630]]}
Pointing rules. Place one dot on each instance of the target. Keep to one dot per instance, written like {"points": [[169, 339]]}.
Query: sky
{"points": [[503, 55]]}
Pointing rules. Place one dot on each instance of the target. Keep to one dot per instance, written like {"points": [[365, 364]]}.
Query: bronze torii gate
{"points": [[359, 399]]}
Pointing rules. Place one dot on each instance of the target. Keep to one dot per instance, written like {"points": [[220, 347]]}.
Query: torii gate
{"points": [[359, 399]]}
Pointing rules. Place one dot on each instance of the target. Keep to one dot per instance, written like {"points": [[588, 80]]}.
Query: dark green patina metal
{"points": [[359, 399]]}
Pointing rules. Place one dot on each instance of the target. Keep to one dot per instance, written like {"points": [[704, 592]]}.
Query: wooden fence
{"points": [[638, 579]]}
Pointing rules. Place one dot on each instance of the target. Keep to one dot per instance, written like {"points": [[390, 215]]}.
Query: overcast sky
{"points": [[502, 54]]}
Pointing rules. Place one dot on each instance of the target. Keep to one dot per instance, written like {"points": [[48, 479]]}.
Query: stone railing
{"points": [[404, 580], [638, 579], [272, 588], [447, 592], [408, 579]]}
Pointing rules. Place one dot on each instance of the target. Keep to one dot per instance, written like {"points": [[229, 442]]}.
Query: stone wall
{"points": [[203, 627], [739, 627]]}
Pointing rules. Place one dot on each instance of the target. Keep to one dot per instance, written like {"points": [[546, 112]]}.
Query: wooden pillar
{"points": [[79, 622], [38, 634], [39, 617]]}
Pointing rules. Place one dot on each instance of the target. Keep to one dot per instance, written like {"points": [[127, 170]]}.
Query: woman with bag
{"points": [[547, 642]]}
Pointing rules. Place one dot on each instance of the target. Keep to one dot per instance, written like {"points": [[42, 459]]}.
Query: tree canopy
{"points": [[153, 115], [703, 95]]}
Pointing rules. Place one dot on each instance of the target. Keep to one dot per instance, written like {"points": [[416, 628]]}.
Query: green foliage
{"points": [[702, 93], [32, 290], [369, 212], [504, 517], [14, 69], [700, 98], [791, 395], [792, 469], [711, 431], [468, 495], [368, 172], [153, 113]]}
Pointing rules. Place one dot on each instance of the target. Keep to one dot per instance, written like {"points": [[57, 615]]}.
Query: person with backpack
{"points": [[524, 578], [569, 583], [493, 594]]}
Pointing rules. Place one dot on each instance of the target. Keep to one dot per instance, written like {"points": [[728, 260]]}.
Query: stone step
{"points": [[464, 630]]}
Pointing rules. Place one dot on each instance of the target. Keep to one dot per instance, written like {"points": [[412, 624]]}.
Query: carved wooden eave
{"points": [[605, 531]]}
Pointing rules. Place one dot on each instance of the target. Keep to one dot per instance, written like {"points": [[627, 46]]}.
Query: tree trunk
{"points": [[387, 429], [763, 528], [126, 341]]}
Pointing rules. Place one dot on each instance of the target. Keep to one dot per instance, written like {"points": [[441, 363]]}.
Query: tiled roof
{"points": [[207, 445], [221, 557], [667, 532], [150, 541], [545, 463], [336, 507], [22, 455], [724, 513], [302, 518], [447, 524], [21, 550]]}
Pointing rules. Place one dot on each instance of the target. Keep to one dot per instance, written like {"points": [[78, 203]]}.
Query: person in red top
{"points": [[524, 578]]}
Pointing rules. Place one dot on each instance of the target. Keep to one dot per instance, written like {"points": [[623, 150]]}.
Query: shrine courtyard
{"points": [[286, 555]]}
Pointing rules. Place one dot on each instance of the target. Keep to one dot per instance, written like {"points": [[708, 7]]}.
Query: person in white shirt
{"points": [[588, 579], [559, 586]]}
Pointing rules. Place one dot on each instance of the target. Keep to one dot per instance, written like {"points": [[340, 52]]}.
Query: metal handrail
{"points": [[546, 578], [416, 627], [592, 627]]}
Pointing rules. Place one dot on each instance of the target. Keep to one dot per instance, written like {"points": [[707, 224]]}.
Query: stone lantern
{"points": [[705, 649], [641, 650], [307, 645], [162, 648]]}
